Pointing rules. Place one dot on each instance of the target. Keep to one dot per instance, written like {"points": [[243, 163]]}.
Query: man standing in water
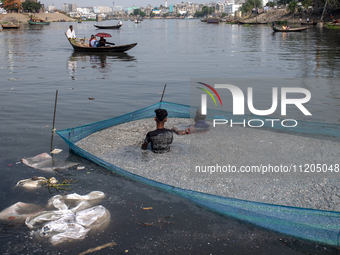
{"points": [[161, 138], [70, 33]]}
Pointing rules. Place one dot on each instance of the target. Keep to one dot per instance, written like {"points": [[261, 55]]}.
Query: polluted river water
{"points": [[143, 220]]}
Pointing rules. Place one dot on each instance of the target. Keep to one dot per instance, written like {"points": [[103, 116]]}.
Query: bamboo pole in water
{"points": [[55, 110], [163, 93]]}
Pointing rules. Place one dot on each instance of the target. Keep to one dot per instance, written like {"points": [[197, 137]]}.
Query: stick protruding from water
{"points": [[163, 93], [55, 110]]}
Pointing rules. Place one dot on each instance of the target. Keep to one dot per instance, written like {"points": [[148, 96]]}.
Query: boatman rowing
{"points": [[70, 33]]}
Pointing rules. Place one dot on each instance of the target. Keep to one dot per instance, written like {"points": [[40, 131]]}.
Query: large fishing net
{"points": [[309, 224]]}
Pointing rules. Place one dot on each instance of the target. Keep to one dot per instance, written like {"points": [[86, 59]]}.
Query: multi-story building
{"points": [[51, 8], [102, 9], [220, 7], [85, 10], [130, 10], [69, 8], [117, 8], [231, 8]]}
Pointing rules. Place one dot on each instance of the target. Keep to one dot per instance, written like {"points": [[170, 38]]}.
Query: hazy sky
{"points": [[124, 3]]}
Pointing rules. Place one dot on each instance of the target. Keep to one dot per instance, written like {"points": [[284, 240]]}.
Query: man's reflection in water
{"points": [[99, 61], [102, 62], [72, 66]]}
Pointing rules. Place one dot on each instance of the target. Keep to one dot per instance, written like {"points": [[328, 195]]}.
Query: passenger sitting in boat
{"points": [[200, 125], [92, 37], [274, 24], [284, 27], [161, 138], [102, 42], [94, 42]]}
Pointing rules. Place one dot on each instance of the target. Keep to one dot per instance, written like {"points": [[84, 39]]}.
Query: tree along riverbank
{"points": [[285, 15]]}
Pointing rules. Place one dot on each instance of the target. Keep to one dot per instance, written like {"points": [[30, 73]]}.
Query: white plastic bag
{"points": [[18, 212], [44, 162], [64, 222], [35, 182]]}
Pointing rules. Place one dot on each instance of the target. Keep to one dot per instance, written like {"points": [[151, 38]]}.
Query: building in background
{"points": [[171, 9], [69, 8], [117, 8], [156, 11], [130, 10], [102, 9], [231, 8], [85, 10], [51, 8]]}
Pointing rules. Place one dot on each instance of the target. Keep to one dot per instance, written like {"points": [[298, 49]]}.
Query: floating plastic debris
{"points": [[64, 223], [147, 208], [35, 182], [44, 162], [18, 212], [80, 167], [56, 151]]}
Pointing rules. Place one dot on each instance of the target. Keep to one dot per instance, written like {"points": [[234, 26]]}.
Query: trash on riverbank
{"points": [[80, 167], [45, 162], [35, 182], [70, 217], [18, 212]]}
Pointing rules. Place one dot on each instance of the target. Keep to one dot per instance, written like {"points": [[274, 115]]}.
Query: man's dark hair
{"points": [[161, 114]]}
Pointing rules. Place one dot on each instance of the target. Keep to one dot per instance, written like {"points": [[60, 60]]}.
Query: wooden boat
{"points": [[290, 30], [309, 23], [10, 26], [213, 20], [38, 22], [253, 23], [80, 45], [204, 20], [108, 27]]}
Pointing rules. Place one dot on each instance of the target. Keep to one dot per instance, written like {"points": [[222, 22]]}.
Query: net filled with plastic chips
{"points": [[308, 224]]}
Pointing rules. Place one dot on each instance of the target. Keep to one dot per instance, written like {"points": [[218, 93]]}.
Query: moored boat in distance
{"points": [[290, 29], [213, 20], [108, 27], [252, 23], [309, 23], [38, 22], [79, 44], [10, 26]]}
